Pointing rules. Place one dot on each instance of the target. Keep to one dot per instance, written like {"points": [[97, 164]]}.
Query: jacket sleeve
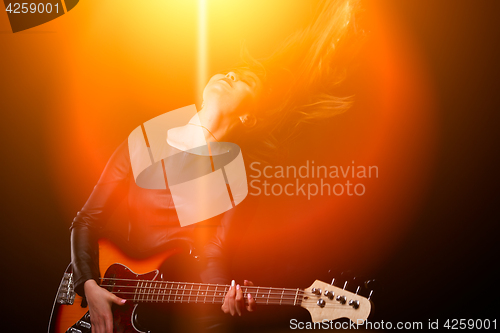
{"points": [[218, 250], [92, 218]]}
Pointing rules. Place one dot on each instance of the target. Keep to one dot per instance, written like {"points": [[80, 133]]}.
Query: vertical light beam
{"points": [[202, 74]]}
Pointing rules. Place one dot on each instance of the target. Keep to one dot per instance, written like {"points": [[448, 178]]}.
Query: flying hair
{"points": [[300, 78]]}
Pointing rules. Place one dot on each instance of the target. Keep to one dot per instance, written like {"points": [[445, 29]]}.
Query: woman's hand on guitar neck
{"points": [[234, 302], [100, 301]]}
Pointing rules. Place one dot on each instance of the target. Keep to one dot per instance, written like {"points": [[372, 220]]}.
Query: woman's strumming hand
{"points": [[100, 301]]}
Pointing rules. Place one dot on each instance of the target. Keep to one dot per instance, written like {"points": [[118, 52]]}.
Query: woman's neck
{"points": [[208, 125], [216, 126]]}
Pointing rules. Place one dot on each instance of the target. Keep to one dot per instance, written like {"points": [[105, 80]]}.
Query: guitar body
{"points": [[75, 318], [160, 298]]}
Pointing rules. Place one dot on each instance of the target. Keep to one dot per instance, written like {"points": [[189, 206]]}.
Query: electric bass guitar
{"points": [[140, 282]]}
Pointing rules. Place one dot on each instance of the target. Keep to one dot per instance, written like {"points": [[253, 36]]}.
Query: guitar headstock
{"points": [[328, 302]]}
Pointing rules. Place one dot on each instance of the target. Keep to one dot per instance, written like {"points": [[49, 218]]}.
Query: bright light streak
{"points": [[202, 74]]}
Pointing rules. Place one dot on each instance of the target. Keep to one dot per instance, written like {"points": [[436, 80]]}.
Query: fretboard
{"points": [[144, 291]]}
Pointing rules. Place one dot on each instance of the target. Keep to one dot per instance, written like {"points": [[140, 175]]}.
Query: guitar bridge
{"points": [[66, 291]]}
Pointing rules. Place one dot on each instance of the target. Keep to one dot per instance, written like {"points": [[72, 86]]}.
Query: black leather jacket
{"points": [[152, 224]]}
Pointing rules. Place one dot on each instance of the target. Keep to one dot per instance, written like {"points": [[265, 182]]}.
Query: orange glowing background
{"points": [[107, 66]]}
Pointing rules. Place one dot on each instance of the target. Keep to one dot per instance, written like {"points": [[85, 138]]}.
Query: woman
{"points": [[260, 106]]}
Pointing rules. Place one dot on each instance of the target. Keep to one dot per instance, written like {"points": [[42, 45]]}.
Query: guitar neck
{"points": [[322, 300], [151, 291]]}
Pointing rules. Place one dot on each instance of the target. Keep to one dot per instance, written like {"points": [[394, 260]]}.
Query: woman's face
{"points": [[232, 94]]}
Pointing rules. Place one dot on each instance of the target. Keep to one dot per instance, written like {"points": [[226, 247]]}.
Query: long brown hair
{"points": [[300, 77]]}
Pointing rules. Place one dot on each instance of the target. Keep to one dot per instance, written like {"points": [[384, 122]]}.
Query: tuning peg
{"points": [[354, 303], [316, 291], [329, 294], [341, 299]]}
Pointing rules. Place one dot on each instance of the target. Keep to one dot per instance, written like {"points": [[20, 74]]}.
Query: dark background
{"points": [[447, 268]]}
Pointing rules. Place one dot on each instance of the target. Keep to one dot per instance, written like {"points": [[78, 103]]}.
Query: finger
{"points": [[224, 306], [238, 301], [247, 283], [117, 300], [232, 289], [251, 303], [231, 295]]}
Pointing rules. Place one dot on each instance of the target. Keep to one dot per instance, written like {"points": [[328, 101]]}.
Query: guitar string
{"points": [[199, 285], [204, 284], [151, 297], [327, 306], [278, 296], [212, 296], [277, 303], [147, 296], [183, 298], [193, 283], [220, 301], [207, 293], [193, 296], [142, 293], [267, 290]]}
